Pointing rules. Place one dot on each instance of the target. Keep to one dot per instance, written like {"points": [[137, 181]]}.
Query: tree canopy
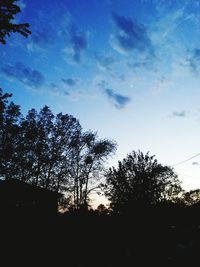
{"points": [[139, 180], [8, 11], [191, 197], [51, 151]]}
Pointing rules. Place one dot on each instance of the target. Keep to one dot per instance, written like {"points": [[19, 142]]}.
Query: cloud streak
{"points": [[69, 81], [130, 36], [105, 62], [24, 74], [54, 89], [180, 114], [194, 60], [119, 101], [43, 37], [78, 43]]}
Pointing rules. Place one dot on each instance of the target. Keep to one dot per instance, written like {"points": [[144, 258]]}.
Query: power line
{"points": [[181, 162]]}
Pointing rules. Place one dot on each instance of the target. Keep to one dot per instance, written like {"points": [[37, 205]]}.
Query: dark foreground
{"points": [[147, 238]]}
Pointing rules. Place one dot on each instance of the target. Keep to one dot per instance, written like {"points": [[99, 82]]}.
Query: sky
{"points": [[129, 70]]}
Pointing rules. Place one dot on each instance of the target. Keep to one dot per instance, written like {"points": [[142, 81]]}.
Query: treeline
{"points": [[51, 151]]}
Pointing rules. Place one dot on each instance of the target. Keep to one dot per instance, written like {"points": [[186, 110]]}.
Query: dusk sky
{"points": [[129, 70]]}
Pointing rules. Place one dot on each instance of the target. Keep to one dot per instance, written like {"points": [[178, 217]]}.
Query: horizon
{"points": [[129, 70]]}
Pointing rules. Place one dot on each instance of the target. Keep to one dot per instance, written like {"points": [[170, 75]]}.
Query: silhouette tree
{"points": [[44, 143], [192, 197], [139, 181], [8, 10], [9, 129], [88, 157], [102, 210], [51, 151]]}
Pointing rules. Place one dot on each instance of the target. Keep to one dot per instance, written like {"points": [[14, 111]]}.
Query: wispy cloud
{"points": [[130, 36], [44, 34], [105, 62], [119, 101], [54, 89], [102, 84], [43, 37], [49, 30], [161, 84], [194, 60], [180, 114], [78, 43], [69, 81], [137, 65], [195, 163], [24, 74]]}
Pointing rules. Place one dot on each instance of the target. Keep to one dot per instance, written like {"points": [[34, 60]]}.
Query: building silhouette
{"points": [[20, 197]]}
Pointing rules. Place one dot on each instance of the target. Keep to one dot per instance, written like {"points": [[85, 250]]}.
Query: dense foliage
{"points": [[8, 11], [139, 180], [51, 151]]}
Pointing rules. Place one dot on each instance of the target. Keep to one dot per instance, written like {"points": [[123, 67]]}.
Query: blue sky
{"points": [[127, 69]]}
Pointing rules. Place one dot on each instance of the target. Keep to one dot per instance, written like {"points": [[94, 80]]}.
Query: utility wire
{"points": [[181, 162]]}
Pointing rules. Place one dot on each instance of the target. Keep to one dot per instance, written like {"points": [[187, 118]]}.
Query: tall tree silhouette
{"points": [[9, 129], [88, 156], [139, 181], [44, 144], [8, 10], [51, 151]]}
